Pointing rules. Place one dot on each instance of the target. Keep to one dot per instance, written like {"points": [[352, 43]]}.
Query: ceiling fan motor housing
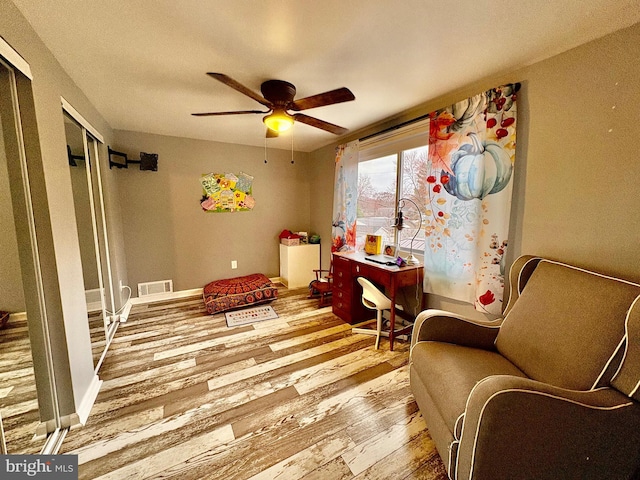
{"points": [[278, 92]]}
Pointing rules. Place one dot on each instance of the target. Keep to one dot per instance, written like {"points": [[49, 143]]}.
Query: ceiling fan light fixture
{"points": [[278, 96], [278, 121]]}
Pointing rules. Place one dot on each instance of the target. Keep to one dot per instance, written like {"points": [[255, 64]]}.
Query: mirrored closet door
{"points": [[82, 153], [28, 401]]}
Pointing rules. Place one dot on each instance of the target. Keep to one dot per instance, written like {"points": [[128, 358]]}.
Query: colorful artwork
{"points": [[471, 160], [226, 192]]}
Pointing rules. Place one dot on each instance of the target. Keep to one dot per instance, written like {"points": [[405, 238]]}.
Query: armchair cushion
{"points": [[561, 311], [453, 370]]}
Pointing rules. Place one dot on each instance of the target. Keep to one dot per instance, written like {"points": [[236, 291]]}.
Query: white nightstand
{"points": [[297, 263]]}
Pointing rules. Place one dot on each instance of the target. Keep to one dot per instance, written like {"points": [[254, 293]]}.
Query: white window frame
{"points": [[395, 142]]}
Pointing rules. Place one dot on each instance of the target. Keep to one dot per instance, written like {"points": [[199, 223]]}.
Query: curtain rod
{"points": [[516, 86], [395, 127]]}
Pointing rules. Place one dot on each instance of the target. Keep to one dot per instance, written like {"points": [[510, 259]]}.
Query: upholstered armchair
{"points": [[550, 392]]}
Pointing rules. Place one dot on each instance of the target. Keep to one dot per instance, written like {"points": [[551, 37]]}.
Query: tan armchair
{"points": [[550, 392]]}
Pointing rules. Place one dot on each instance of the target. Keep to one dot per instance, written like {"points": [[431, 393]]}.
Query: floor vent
{"points": [[153, 288]]}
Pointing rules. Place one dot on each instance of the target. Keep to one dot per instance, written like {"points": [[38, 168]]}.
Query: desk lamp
{"points": [[399, 224]]}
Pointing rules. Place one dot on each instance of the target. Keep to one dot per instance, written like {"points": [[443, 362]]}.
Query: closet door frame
{"points": [[17, 76], [98, 217]]}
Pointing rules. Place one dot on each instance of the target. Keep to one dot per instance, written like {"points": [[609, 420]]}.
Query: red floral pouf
{"points": [[230, 293]]}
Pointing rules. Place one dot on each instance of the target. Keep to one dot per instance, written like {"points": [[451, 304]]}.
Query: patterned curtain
{"points": [[345, 198], [471, 159]]}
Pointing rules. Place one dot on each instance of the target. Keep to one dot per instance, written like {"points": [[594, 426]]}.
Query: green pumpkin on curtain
{"points": [[478, 169]]}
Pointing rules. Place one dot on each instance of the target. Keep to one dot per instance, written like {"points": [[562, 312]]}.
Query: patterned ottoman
{"points": [[230, 293]]}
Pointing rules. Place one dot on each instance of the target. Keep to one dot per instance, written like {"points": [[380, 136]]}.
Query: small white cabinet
{"points": [[297, 263]]}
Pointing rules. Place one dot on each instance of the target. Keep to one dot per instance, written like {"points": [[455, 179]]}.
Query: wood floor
{"points": [[98, 336], [185, 396], [18, 397]]}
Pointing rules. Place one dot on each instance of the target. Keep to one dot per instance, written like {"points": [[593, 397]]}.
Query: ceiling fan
{"points": [[278, 97]]}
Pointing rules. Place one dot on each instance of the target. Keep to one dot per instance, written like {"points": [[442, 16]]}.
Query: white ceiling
{"points": [[142, 63]]}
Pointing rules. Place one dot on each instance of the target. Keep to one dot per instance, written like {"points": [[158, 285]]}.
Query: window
{"points": [[391, 167], [377, 180]]}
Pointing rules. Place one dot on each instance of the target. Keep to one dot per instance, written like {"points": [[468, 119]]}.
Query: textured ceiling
{"points": [[143, 63]]}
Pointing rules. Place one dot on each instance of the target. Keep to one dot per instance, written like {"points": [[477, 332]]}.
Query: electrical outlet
{"points": [[234, 264], [121, 286]]}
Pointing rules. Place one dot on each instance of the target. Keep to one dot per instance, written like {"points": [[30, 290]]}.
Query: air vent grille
{"points": [[154, 288]]}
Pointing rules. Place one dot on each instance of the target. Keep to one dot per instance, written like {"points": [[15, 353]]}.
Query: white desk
{"points": [[297, 263]]}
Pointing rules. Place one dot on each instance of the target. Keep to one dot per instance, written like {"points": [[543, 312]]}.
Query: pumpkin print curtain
{"points": [[471, 160], [345, 198]]}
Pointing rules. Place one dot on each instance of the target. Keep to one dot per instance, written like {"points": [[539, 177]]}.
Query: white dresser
{"points": [[297, 263]]}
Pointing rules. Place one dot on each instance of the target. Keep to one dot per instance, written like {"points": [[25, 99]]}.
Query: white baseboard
{"points": [[124, 315], [94, 307], [84, 409], [77, 419], [44, 428], [158, 297], [18, 316]]}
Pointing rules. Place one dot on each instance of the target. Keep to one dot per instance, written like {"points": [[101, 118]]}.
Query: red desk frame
{"points": [[347, 293]]}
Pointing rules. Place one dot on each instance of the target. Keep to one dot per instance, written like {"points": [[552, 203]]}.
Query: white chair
{"points": [[373, 299]]}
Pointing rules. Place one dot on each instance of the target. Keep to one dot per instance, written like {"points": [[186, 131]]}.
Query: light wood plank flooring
{"points": [[296, 397], [18, 397], [98, 336]]}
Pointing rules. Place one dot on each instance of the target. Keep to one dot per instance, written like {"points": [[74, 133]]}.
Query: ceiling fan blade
{"points": [[221, 77], [272, 133], [320, 100], [238, 112], [316, 122]]}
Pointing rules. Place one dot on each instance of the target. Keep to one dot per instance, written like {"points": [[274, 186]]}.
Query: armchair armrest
{"points": [[441, 326], [519, 428]]}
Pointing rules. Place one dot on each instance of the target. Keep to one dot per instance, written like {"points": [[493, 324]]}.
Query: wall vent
{"points": [[153, 288]]}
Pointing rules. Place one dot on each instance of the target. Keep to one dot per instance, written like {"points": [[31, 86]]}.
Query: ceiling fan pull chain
{"points": [[292, 127], [265, 149]]}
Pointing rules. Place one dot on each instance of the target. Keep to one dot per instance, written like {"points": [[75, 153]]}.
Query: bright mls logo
{"points": [[52, 467]]}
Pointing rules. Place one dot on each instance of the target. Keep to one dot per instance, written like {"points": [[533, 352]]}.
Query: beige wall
{"points": [[11, 293], [582, 201], [168, 236], [576, 196], [322, 174], [52, 194], [574, 199], [82, 208]]}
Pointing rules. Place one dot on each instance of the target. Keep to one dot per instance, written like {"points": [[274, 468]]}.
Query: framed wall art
{"points": [[226, 192]]}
